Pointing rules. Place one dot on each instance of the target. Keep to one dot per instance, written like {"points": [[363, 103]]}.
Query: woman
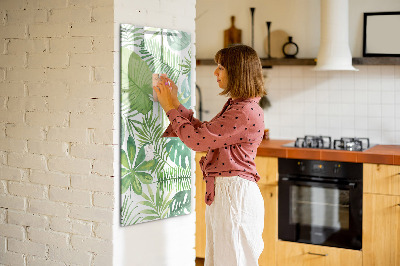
{"points": [[235, 207]]}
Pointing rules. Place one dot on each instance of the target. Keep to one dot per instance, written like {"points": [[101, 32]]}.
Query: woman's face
{"points": [[222, 76]]}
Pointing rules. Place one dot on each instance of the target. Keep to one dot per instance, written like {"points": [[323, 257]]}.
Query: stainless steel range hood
{"points": [[334, 52]]}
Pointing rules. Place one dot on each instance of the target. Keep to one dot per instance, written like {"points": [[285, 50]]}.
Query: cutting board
{"points": [[232, 35]]}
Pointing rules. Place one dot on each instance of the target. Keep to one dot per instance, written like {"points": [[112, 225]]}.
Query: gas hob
{"points": [[325, 142]]}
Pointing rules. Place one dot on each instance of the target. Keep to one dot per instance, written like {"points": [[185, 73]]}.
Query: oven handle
{"points": [[298, 181]]}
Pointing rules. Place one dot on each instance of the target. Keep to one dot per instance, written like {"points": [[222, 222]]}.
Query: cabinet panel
{"points": [[381, 179], [270, 233], [267, 168], [297, 254], [200, 209], [381, 230]]}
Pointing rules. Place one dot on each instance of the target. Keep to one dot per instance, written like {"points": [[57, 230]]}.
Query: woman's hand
{"points": [[174, 92], [164, 95]]}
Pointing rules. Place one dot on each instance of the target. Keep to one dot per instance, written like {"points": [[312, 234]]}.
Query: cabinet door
{"points": [[270, 233], [381, 230], [267, 168], [381, 179], [297, 254], [200, 209]]}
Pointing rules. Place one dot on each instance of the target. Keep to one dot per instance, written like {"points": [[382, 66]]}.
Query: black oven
{"points": [[320, 202]]}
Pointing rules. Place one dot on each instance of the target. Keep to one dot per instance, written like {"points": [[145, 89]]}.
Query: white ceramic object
{"points": [[334, 51]]}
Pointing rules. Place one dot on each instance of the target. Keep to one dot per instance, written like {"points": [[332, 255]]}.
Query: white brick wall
{"points": [[56, 127]]}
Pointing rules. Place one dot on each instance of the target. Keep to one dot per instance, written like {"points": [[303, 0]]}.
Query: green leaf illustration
{"points": [[130, 33], [124, 172], [157, 185], [136, 185], [181, 203], [178, 40], [159, 205], [161, 60], [124, 160], [127, 217], [136, 83], [145, 178], [135, 172], [146, 166], [140, 157], [131, 149], [177, 177], [179, 153], [149, 131], [126, 183]]}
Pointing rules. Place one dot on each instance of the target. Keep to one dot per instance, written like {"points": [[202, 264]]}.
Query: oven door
{"points": [[320, 212]]}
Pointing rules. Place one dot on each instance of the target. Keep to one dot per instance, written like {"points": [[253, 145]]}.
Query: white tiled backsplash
{"points": [[337, 104]]}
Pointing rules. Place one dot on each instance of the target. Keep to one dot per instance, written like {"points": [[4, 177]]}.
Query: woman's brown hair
{"points": [[245, 78]]}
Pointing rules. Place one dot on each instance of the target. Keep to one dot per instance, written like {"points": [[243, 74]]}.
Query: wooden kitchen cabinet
{"points": [[381, 230], [200, 209], [381, 179], [267, 168], [298, 254], [270, 233], [381, 215]]}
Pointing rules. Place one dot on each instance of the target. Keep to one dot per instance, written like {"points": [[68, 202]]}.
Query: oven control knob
{"points": [[302, 167], [336, 169]]}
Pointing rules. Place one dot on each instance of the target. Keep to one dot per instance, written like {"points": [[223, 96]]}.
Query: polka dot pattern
{"points": [[231, 139]]}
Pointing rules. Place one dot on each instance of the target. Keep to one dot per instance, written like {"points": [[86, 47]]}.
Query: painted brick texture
{"points": [[56, 128]]}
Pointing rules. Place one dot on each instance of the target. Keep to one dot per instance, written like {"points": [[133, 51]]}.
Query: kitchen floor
{"points": [[199, 262]]}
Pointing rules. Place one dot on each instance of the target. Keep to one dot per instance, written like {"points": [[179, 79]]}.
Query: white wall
{"points": [[170, 241], [299, 18], [337, 104]]}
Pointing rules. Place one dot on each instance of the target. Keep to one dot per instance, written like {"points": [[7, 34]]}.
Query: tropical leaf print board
{"points": [[155, 171]]}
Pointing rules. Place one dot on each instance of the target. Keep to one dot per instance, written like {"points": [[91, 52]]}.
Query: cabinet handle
{"points": [[318, 254], [398, 204]]}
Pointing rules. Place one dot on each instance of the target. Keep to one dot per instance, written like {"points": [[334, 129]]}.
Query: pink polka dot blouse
{"points": [[231, 139]]}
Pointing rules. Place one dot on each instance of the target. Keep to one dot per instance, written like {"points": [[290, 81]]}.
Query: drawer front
{"points": [[294, 254], [381, 179]]}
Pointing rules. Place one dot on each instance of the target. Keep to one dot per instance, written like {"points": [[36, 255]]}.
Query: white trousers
{"points": [[234, 223]]}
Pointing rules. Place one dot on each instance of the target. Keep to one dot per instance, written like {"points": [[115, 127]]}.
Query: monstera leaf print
{"points": [[136, 84], [179, 153], [134, 170], [178, 40], [180, 204], [184, 97]]}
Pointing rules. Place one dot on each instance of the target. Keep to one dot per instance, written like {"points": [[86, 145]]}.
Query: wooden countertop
{"points": [[379, 154]]}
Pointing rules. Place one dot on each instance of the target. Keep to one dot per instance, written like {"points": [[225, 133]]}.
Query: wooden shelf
{"points": [[376, 61], [312, 61]]}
